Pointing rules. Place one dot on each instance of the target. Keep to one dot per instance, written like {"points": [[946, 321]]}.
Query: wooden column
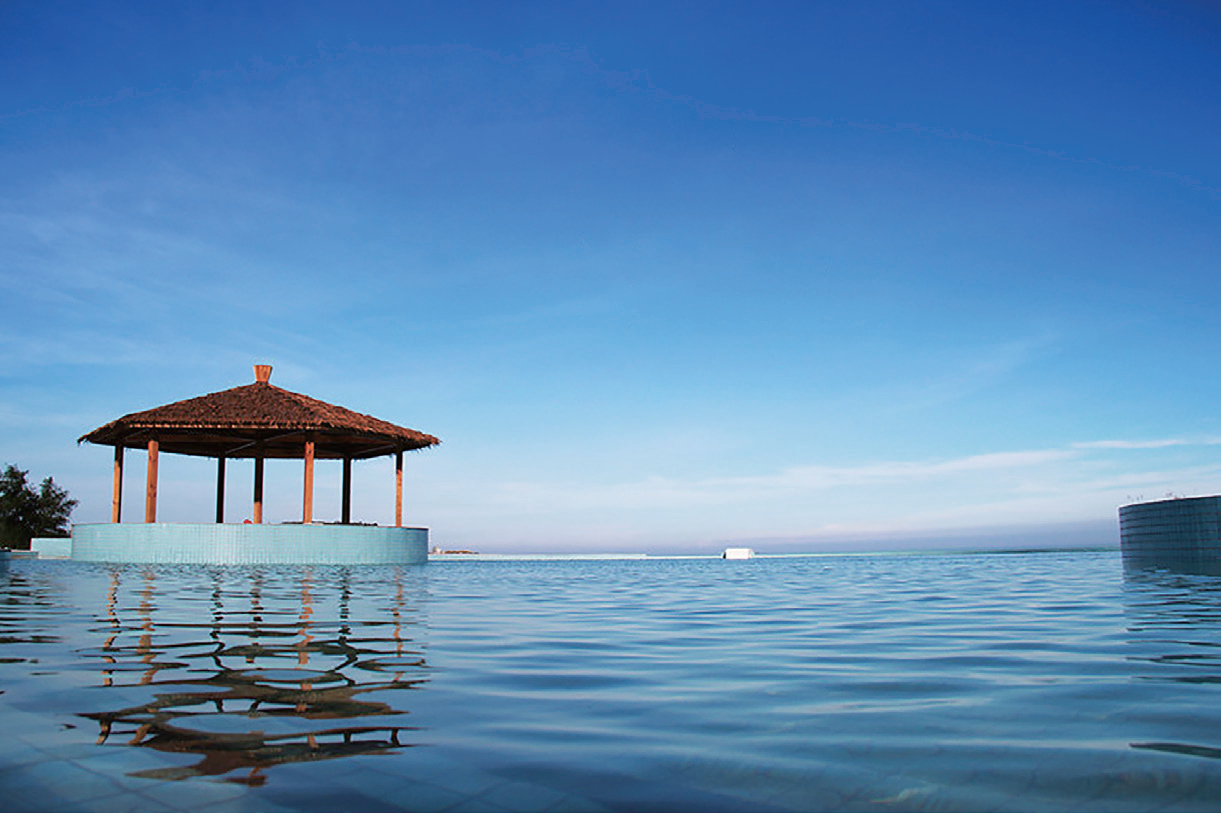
{"points": [[220, 489], [150, 493], [345, 515], [116, 499], [258, 488], [307, 504], [398, 489]]}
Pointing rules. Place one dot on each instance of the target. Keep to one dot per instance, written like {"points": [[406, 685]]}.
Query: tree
{"points": [[26, 512]]}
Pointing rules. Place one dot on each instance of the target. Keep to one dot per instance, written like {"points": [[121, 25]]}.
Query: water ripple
{"points": [[951, 682]]}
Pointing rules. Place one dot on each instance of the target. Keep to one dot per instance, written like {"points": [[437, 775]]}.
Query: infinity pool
{"points": [[1034, 681]]}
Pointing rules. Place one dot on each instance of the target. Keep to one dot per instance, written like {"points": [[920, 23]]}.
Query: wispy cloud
{"points": [[882, 498], [984, 368], [1161, 443], [1072, 479], [632, 80], [656, 491]]}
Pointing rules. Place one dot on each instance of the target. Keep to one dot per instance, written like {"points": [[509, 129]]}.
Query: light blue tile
{"points": [[232, 544]]}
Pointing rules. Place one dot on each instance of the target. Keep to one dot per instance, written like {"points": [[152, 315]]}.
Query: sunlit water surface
{"points": [[1035, 681]]}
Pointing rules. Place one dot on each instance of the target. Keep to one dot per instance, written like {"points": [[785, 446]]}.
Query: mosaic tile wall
{"points": [[177, 543], [1178, 534], [52, 547]]}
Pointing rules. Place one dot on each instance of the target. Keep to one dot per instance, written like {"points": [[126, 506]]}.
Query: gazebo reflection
{"points": [[265, 680]]}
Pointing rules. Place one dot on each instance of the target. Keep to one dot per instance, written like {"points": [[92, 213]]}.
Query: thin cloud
{"points": [[991, 365], [1161, 443], [666, 492], [624, 81], [1014, 479]]}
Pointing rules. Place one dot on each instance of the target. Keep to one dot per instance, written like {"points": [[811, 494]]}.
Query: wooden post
{"points": [[116, 499], [150, 494], [398, 489], [220, 489], [307, 507], [258, 488], [345, 515]]}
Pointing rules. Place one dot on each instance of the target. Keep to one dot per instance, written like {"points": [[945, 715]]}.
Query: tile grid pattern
{"points": [[1173, 532], [174, 543]]}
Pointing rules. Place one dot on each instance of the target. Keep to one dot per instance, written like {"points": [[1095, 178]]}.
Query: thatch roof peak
{"points": [[259, 419]]}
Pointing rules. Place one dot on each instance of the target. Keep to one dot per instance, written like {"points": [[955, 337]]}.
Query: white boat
{"points": [[738, 553]]}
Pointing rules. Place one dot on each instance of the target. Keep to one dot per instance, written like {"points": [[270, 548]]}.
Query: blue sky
{"points": [[662, 277]]}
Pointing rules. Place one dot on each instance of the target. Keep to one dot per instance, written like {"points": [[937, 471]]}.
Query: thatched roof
{"points": [[259, 419]]}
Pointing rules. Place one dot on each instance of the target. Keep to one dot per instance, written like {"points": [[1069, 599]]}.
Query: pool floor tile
{"points": [[246, 804], [69, 752], [118, 762], [21, 798], [334, 799], [477, 806], [20, 755], [575, 804], [421, 797], [417, 780], [60, 782], [191, 793], [464, 781], [520, 796], [118, 803]]}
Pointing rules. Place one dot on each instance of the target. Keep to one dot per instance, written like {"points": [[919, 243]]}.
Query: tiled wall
{"points": [[1173, 533], [249, 544], [48, 547]]}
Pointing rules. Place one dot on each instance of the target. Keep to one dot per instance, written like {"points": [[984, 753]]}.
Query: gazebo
{"points": [[257, 421]]}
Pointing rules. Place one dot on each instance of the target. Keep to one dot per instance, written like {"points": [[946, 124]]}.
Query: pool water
{"points": [[1032, 681]]}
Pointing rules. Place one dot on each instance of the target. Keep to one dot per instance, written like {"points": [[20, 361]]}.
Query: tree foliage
{"points": [[26, 512]]}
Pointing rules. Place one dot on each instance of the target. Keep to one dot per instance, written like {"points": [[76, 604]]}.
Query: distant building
{"points": [[1176, 534]]}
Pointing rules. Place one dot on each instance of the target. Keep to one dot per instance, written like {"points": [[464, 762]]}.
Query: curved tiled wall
{"points": [[249, 544], [1176, 534]]}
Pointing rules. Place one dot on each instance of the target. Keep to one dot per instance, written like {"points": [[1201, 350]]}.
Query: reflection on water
{"points": [[1048, 681], [263, 677], [1172, 620], [22, 621], [1187, 561]]}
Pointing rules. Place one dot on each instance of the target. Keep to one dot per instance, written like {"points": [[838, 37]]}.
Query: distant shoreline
{"points": [[531, 557]]}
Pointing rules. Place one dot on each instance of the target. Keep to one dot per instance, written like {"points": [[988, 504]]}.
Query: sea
{"points": [[996, 681]]}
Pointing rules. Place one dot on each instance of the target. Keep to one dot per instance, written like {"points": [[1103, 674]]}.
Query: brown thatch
{"points": [[259, 420]]}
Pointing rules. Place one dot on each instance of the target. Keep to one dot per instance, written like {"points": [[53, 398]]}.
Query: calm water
{"points": [[1043, 681]]}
